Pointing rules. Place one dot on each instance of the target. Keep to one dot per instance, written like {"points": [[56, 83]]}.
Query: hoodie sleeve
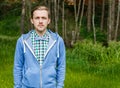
{"points": [[18, 64], [61, 64]]}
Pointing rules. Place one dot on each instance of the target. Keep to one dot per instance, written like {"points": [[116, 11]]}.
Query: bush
{"points": [[95, 57], [10, 26]]}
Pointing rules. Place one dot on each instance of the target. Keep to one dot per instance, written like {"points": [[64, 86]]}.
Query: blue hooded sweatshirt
{"points": [[27, 71]]}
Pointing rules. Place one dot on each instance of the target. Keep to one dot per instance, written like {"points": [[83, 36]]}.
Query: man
{"points": [[39, 60]]}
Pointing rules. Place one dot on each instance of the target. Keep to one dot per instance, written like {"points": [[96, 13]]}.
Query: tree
{"points": [[23, 16], [28, 14], [81, 15], [77, 14], [63, 20], [89, 10], [102, 17], [117, 21], [111, 19], [56, 15], [93, 17]]}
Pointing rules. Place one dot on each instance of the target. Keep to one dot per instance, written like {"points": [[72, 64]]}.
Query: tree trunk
{"points": [[109, 21], [113, 19], [117, 21], [89, 10], [93, 17], [63, 21], [77, 13], [28, 14], [23, 16], [81, 15], [56, 18], [76, 20], [52, 24], [66, 30], [102, 17], [58, 7], [45, 2]]}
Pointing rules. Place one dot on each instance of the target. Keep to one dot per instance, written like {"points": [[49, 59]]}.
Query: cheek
{"points": [[46, 22], [35, 22]]}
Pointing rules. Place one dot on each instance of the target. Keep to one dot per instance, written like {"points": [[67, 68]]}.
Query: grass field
{"points": [[76, 76], [6, 62]]}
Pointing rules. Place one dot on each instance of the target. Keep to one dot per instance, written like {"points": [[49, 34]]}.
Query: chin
{"points": [[41, 30]]}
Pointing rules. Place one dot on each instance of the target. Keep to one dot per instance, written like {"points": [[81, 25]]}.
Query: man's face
{"points": [[40, 21]]}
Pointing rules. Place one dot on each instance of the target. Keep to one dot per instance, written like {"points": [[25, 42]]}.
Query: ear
{"points": [[31, 20], [49, 21]]}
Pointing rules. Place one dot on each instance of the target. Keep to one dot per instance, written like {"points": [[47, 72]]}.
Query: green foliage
{"points": [[100, 35], [95, 57], [113, 51], [6, 49], [8, 9], [93, 65], [10, 26]]}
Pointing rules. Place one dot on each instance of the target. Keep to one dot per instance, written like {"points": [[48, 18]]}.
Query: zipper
{"points": [[43, 62], [40, 65], [40, 76]]}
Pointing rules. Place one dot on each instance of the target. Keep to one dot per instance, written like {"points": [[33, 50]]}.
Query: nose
{"points": [[40, 20]]}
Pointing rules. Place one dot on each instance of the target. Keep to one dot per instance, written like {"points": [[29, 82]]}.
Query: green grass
{"points": [[6, 62], [89, 66], [9, 32], [78, 78], [6, 77]]}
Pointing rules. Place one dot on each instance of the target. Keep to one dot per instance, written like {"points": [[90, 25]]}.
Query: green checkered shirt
{"points": [[40, 45]]}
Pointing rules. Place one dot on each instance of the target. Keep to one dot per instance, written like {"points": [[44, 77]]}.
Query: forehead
{"points": [[40, 13]]}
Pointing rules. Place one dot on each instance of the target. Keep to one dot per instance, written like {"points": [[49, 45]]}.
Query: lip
{"points": [[40, 25]]}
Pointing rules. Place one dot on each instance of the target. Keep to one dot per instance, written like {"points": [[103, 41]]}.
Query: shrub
{"points": [[95, 57]]}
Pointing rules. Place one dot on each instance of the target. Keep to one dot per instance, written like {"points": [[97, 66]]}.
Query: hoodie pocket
{"points": [[32, 77], [49, 76]]}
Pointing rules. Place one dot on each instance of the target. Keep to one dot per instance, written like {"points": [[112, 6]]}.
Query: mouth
{"points": [[40, 25]]}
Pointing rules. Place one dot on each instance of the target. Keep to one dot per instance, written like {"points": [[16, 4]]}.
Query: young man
{"points": [[39, 60]]}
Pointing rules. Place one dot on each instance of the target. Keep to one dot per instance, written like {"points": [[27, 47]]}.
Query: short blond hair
{"points": [[40, 8]]}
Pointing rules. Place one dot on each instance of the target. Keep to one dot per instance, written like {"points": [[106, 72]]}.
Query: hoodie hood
{"points": [[54, 37]]}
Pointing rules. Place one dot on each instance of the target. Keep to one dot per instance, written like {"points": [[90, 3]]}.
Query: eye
{"points": [[37, 18], [44, 18]]}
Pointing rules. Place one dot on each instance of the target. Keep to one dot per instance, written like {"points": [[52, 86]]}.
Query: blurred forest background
{"points": [[91, 32]]}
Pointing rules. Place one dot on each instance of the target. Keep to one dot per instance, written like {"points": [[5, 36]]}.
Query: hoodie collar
{"points": [[54, 36]]}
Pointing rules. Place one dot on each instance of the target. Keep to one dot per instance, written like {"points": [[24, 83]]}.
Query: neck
{"points": [[40, 33]]}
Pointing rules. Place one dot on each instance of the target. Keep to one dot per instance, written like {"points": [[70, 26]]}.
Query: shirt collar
{"points": [[44, 37]]}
